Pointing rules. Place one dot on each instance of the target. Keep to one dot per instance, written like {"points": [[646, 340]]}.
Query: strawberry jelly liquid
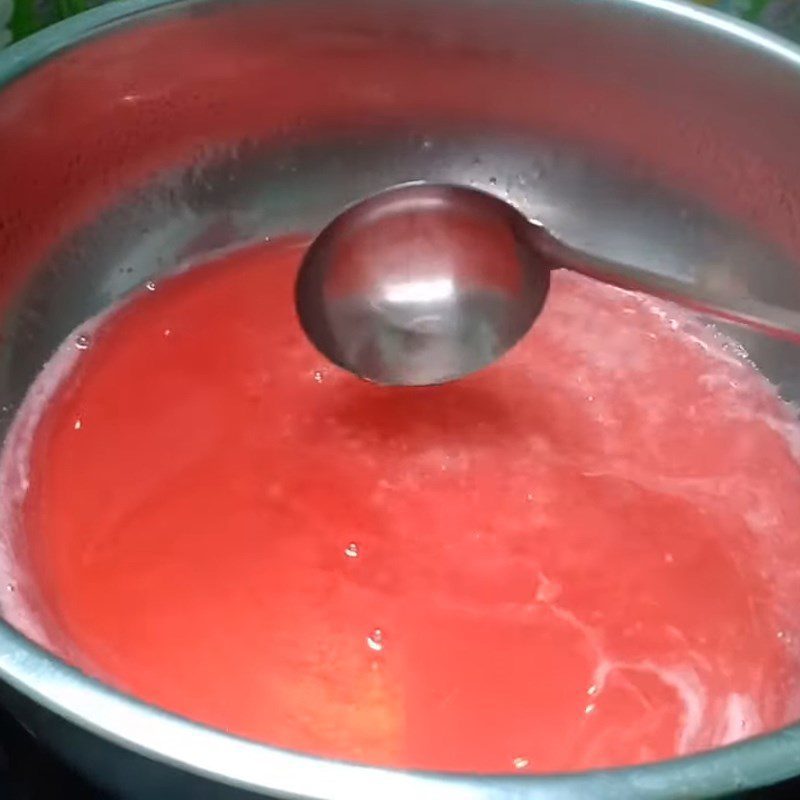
{"points": [[583, 556]]}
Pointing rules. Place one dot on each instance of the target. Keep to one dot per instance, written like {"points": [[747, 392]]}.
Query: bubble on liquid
{"points": [[375, 640], [351, 551], [589, 708], [82, 341], [167, 331], [520, 762], [150, 286], [318, 376], [592, 690], [493, 181], [529, 497], [11, 586], [78, 425]]}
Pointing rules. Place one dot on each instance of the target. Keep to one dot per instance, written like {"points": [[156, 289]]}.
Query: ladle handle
{"points": [[780, 323]]}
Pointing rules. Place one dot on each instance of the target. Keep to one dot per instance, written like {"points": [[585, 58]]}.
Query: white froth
{"points": [[15, 482]]}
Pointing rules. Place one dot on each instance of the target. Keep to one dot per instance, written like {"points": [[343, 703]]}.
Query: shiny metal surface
{"points": [[421, 284], [715, 297], [643, 131], [425, 283]]}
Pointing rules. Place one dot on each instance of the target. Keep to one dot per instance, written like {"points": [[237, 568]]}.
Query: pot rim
{"points": [[174, 740]]}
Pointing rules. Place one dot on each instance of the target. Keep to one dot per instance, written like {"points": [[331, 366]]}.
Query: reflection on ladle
{"points": [[425, 283]]}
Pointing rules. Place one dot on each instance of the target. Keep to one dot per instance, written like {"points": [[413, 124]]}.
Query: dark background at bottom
{"points": [[28, 772]]}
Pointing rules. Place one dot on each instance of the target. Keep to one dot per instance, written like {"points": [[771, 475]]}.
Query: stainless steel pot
{"points": [[148, 131]]}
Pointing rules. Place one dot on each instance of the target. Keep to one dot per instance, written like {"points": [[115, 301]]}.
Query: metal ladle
{"points": [[425, 283]]}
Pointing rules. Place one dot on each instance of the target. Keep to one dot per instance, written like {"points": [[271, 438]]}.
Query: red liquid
{"points": [[579, 557]]}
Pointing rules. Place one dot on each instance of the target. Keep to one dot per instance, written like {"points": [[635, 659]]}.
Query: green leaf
{"points": [[24, 20], [756, 10]]}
